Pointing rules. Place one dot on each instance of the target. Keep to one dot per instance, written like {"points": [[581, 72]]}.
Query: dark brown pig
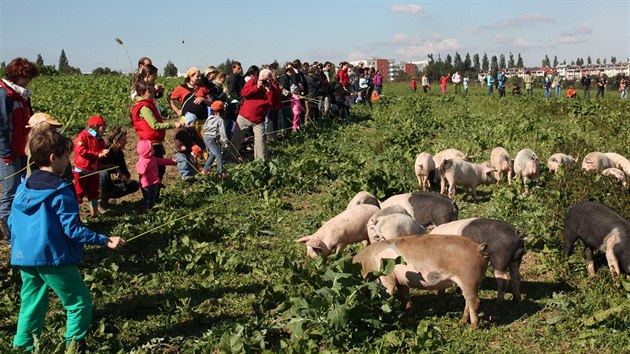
{"points": [[599, 227]]}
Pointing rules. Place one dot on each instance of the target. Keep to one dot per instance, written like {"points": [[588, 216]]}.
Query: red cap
{"points": [[217, 106], [96, 120]]}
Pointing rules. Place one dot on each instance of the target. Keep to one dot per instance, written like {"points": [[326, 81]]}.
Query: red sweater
{"points": [[13, 131], [86, 149], [257, 101], [343, 78]]}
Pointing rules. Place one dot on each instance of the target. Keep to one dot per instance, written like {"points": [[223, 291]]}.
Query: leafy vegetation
{"points": [[219, 270]]}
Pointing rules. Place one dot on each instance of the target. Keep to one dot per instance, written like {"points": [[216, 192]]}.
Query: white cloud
{"points": [[406, 8], [525, 44], [354, 55], [525, 21], [427, 47]]}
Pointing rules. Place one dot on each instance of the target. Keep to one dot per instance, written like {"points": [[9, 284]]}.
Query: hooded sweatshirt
{"points": [[45, 225], [147, 165]]}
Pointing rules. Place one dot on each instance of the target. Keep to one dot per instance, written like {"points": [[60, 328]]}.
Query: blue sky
{"points": [[257, 32]]}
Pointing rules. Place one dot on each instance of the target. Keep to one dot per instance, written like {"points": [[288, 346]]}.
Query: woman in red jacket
{"points": [[15, 111]]}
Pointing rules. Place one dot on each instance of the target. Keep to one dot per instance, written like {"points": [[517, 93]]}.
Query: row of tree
{"points": [[472, 66]]}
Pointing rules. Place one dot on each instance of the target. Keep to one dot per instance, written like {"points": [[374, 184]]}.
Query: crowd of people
{"points": [[551, 83], [41, 191]]}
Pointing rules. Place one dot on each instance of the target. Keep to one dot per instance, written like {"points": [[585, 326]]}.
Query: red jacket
{"points": [[257, 101], [144, 130], [343, 78], [13, 131], [86, 149]]}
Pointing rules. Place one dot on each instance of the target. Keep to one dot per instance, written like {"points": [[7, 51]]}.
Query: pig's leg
{"points": [[340, 248], [570, 236], [516, 280], [472, 305], [502, 284], [403, 290], [611, 242], [473, 191], [509, 177], [590, 266]]}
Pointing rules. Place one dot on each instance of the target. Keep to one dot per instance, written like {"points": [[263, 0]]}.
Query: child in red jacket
{"points": [[89, 147]]}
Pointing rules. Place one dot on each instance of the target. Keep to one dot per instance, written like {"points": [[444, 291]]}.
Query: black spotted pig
{"points": [[340, 231], [599, 227], [426, 207], [505, 249], [433, 262]]}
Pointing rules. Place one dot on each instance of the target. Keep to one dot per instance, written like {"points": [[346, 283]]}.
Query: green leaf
{"points": [[601, 316], [338, 316], [233, 343]]}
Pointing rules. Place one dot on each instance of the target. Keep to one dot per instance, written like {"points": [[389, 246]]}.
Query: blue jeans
{"points": [[10, 184], [185, 164], [214, 152], [558, 88], [489, 90], [150, 195]]}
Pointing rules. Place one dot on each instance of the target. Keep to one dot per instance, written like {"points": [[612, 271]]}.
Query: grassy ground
{"points": [[220, 272]]}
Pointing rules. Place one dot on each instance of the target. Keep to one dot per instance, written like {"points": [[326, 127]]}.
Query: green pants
{"points": [[67, 283]]}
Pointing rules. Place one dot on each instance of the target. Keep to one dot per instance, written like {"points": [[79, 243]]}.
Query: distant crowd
{"points": [[551, 83]]}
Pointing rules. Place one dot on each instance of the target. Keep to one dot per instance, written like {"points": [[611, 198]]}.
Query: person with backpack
{"points": [[192, 96]]}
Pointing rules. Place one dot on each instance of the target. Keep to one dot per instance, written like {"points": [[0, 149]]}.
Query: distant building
{"points": [[389, 68], [574, 72]]}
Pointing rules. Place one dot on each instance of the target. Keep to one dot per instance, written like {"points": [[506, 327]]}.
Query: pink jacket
{"points": [[147, 165], [296, 106]]}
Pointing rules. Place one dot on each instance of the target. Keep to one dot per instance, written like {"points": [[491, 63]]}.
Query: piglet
{"points": [[618, 174], [558, 160], [440, 157], [423, 167], [502, 164], [619, 161], [363, 198], [527, 164], [393, 221], [600, 228], [343, 229], [596, 161], [428, 209], [433, 262], [464, 173]]}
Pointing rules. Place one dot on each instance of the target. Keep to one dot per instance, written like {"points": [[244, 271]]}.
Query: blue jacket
{"points": [[45, 225]]}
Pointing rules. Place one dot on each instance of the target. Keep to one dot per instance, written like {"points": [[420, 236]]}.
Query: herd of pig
{"points": [[456, 251], [451, 168]]}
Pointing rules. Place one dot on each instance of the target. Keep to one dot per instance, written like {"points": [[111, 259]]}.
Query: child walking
{"points": [[296, 107], [147, 167], [89, 147], [185, 137], [214, 134], [47, 244]]}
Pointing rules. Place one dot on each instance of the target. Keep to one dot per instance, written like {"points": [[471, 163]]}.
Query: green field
{"points": [[219, 270]]}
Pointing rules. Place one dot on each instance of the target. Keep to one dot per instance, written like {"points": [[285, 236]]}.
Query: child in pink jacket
{"points": [[296, 107], [147, 167]]}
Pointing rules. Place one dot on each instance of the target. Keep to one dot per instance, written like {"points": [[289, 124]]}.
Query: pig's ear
{"points": [[304, 239], [487, 169], [317, 245]]}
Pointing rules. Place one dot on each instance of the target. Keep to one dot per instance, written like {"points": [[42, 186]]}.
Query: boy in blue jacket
{"points": [[47, 243]]}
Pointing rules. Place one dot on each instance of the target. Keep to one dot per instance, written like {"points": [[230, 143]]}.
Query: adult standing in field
{"points": [[425, 83], [258, 96], [148, 123], [457, 80], [501, 80], [529, 83], [623, 86], [489, 83], [556, 84], [234, 82], [601, 85], [215, 91], [546, 82], [586, 84], [191, 96], [15, 111], [444, 82]]}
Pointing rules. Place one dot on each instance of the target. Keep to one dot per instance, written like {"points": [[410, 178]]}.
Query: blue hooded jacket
{"points": [[45, 226]]}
